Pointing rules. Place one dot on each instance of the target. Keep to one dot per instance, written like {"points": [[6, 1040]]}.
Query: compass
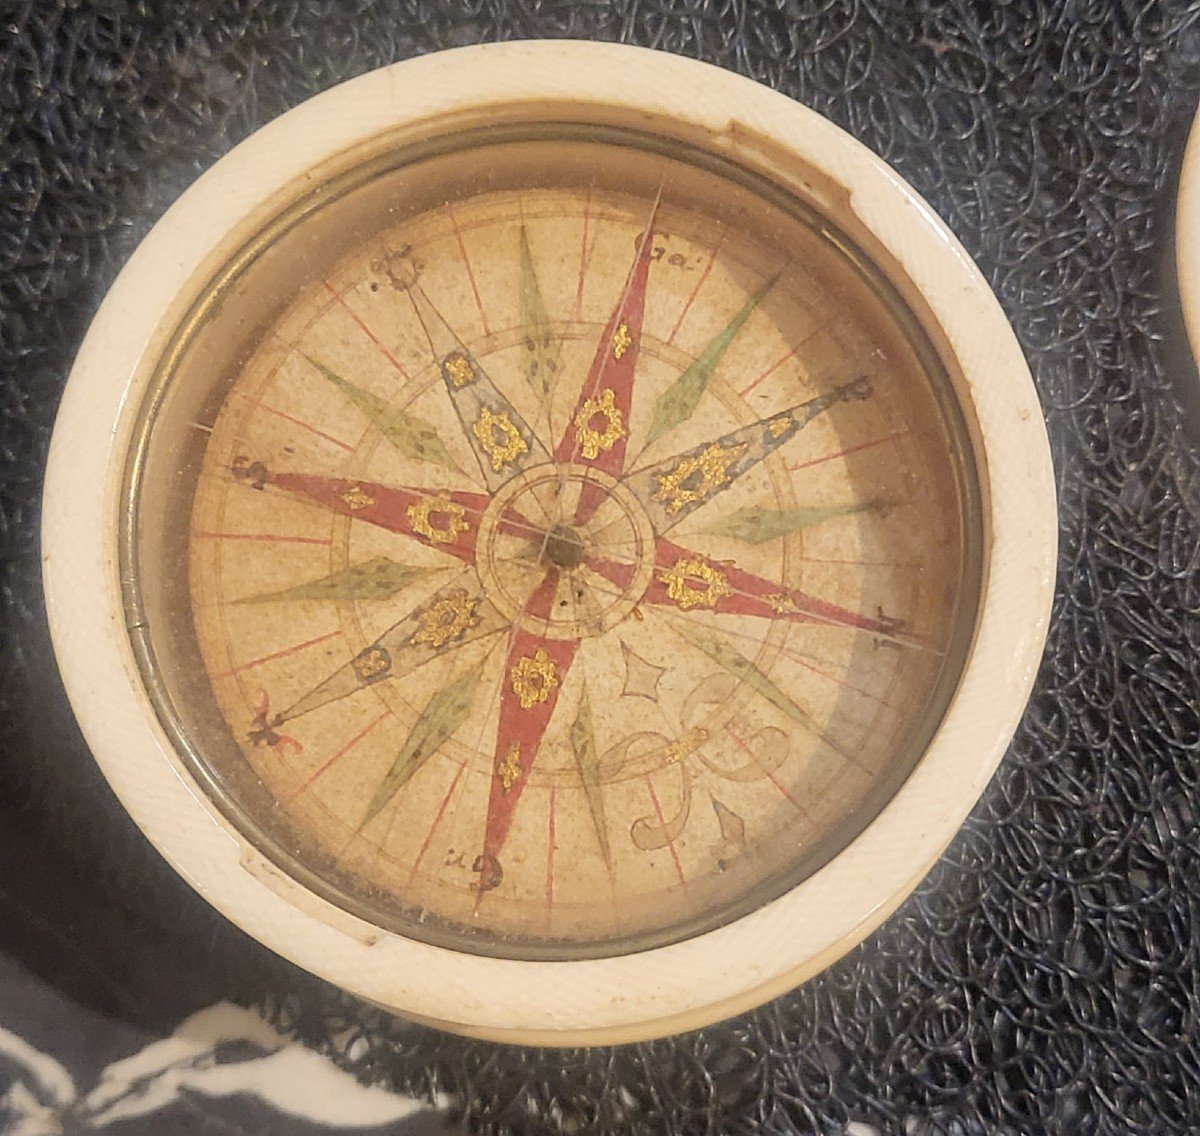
{"points": [[553, 538]]}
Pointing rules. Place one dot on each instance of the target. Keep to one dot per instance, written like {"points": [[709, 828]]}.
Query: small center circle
{"points": [[564, 547], [513, 551]]}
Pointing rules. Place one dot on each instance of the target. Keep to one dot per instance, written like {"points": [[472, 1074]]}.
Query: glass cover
{"points": [[551, 542]]}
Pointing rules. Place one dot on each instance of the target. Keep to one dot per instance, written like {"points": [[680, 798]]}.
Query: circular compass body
{"points": [[553, 538]]}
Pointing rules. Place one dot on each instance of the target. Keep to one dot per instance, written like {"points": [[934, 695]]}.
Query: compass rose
{"points": [[567, 543]]}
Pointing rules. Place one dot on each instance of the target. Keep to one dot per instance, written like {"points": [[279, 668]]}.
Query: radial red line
{"points": [[847, 451], [366, 330], [687, 306], [437, 820], [307, 426], [272, 538], [462, 248], [550, 839], [662, 820], [745, 748], [583, 258], [278, 654], [329, 764], [769, 371]]}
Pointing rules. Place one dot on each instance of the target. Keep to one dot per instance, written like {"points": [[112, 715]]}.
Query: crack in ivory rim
{"points": [[626, 997]]}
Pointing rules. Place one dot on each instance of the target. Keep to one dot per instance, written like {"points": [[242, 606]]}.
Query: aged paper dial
{"points": [[575, 555]]}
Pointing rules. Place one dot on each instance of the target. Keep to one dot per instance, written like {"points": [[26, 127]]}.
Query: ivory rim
{"points": [[688, 983]]}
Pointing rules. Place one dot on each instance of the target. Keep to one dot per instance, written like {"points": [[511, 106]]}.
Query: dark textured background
{"points": [[1045, 977]]}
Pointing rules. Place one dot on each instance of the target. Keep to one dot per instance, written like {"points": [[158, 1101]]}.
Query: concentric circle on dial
{"points": [[513, 559]]}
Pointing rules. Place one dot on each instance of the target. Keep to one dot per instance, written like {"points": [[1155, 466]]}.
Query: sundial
{"points": [[572, 551]]}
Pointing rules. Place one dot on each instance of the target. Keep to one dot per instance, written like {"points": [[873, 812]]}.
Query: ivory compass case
{"points": [[551, 537]]}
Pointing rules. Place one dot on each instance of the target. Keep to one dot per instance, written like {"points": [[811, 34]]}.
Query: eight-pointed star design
{"points": [[564, 560]]}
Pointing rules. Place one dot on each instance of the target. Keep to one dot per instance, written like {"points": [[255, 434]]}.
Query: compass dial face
{"points": [[567, 547]]}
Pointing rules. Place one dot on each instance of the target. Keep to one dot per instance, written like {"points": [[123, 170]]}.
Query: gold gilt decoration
{"points": [[621, 340], [695, 477], [500, 439], [533, 678], [446, 618], [689, 743], [457, 370], [781, 603], [780, 425], [508, 768], [681, 580], [357, 499], [451, 519], [371, 664], [595, 442]]}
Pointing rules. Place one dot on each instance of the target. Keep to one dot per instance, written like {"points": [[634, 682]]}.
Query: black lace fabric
{"points": [[1045, 977]]}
